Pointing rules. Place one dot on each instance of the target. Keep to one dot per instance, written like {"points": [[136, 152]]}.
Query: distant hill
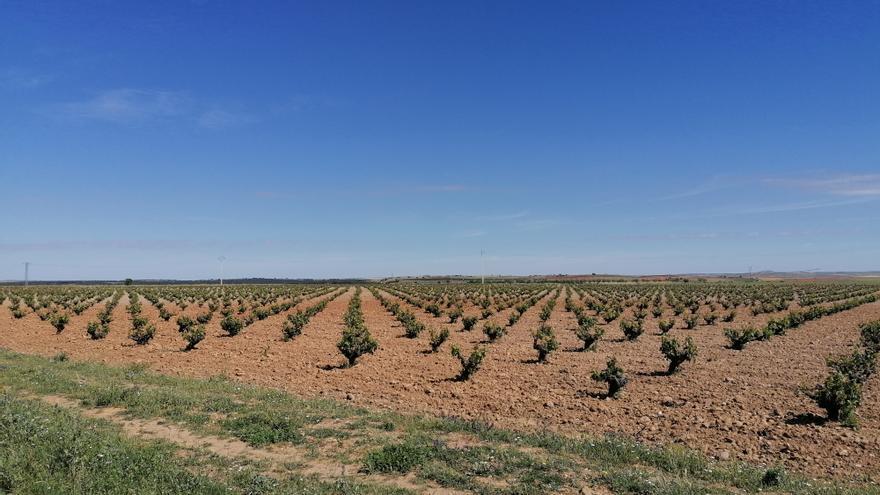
{"points": [[466, 279]]}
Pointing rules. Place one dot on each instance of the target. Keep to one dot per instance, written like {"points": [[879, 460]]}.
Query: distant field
{"points": [[750, 357]]}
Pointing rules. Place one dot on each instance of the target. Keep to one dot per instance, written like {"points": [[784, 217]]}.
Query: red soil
{"points": [[729, 404]]}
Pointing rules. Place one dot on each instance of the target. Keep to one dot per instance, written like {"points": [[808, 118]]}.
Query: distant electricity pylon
{"points": [[482, 268], [27, 265], [221, 259]]}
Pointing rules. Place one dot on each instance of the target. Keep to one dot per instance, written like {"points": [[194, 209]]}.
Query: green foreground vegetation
{"points": [[52, 449]]}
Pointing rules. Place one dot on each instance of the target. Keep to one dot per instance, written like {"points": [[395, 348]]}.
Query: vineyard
{"points": [[773, 373]]}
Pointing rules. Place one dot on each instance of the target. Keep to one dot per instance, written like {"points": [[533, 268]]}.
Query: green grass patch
{"points": [[495, 460]]}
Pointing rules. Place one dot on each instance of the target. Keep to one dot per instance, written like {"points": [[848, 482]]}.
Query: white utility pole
{"points": [[221, 259], [482, 268], [27, 265]]}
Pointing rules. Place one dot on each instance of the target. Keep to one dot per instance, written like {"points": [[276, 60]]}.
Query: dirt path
{"points": [[279, 457]]}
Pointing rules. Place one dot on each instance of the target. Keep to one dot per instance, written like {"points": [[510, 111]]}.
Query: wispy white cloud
{"points": [[386, 190], [714, 184], [502, 217], [137, 106], [266, 194], [127, 105], [741, 235], [804, 205], [171, 245], [471, 233], [15, 78], [220, 119], [840, 185], [538, 224], [302, 102], [442, 188]]}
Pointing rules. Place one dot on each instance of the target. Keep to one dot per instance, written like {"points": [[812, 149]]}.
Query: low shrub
{"points": [[468, 323], [411, 325], [438, 338], [739, 338], [858, 366], [777, 326], [665, 325], [184, 322], [355, 342], [690, 321], [610, 315], [676, 353], [839, 396], [493, 331], [434, 309], [469, 364], [193, 335], [513, 318], [59, 321], [545, 313], [454, 315], [293, 325], [632, 329], [231, 325], [97, 330], [544, 342], [870, 336], [613, 375], [588, 333], [142, 331]]}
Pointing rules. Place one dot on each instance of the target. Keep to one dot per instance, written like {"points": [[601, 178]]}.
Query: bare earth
{"points": [[729, 404]]}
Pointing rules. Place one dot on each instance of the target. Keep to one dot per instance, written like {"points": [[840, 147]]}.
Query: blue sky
{"points": [[322, 139]]}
